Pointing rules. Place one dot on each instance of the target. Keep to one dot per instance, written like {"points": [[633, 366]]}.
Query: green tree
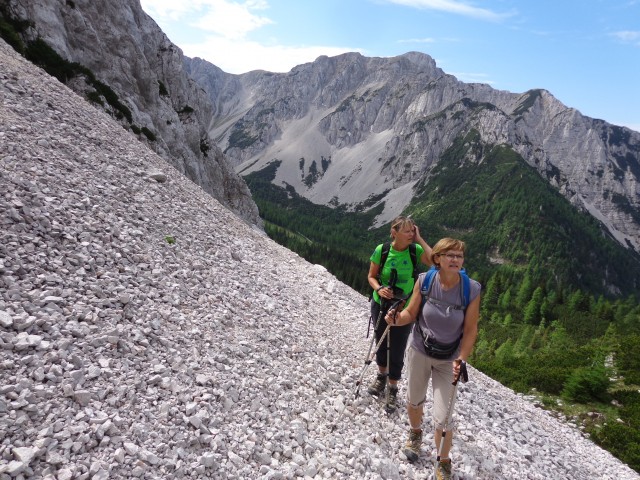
{"points": [[621, 440], [504, 353], [532, 314], [586, 384], [578, 302], [524, 292], [628, 359], [490, 296], [504, 300], [523, 344]]}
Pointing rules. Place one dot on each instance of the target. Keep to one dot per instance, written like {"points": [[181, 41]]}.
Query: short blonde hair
{"points": [[444, 245], [400, 222]]}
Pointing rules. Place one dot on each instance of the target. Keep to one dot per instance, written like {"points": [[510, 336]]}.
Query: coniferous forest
{"points": [[560, 313]]}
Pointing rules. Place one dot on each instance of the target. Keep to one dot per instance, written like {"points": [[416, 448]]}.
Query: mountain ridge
{"points": [[402, 113]]}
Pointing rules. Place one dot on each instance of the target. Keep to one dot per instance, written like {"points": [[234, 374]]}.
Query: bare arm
{"points": [[425, 258], [374, 269], [469, 335], [470, 331], [384, 292]]}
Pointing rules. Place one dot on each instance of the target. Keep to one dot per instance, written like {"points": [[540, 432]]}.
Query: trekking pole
{"points": [[388, 396], [398, 303], [370, 355], [367, 362], [375, 327], [465, 378]]}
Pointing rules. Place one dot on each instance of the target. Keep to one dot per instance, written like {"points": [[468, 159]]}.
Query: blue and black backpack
{"points": [[427, 283]]}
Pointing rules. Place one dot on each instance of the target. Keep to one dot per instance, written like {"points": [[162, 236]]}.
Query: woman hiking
{"points": [[443, 338], [396, 277]]}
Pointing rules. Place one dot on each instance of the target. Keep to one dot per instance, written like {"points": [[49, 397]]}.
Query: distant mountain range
{"points": [[377, 135], [350, 128], [364, 134]]}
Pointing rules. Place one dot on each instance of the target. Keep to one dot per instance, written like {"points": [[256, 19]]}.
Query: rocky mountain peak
{"points": [[385, 123]]}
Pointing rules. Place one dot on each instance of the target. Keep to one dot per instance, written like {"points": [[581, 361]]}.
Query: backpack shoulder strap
{"points": [[427, 282], [386, 247], [466, 288], [425, 289], [465, 291], [414, 260]]}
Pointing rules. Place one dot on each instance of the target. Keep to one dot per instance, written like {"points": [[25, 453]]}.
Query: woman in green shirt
{"points": [[397, 271]]}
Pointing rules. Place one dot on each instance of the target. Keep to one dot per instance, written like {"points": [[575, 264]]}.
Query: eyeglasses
{"points": [[452, 256]]}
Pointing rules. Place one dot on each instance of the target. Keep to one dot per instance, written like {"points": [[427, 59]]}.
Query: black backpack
{"points": [[386, 247]]}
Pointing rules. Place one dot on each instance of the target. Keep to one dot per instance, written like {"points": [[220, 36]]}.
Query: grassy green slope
{"points": [[491, 198]]}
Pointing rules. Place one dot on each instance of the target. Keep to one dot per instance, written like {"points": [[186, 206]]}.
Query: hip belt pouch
{"points": [[438, 350]]}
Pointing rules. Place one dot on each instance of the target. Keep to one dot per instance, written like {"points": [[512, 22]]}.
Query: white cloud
{"points": [[169, 9], [227, 25], [240, 57], [238, 18], [231, 20], [456, 7], [628, 36]]}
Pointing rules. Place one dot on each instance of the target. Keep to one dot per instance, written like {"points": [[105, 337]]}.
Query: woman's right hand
{"points": [[386, 292], [390, 317], [393, 314]]}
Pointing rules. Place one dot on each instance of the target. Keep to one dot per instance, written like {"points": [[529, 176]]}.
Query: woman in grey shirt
{"points": [[449, 329]]}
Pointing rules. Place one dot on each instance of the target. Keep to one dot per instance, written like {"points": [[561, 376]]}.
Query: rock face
{"points": [[350, 128], [140, 339], [126, 50]]}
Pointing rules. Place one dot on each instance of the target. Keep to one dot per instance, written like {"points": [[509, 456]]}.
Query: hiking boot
{"points": [[392, 399], [378, 386], [443, 470], [412, 447]]}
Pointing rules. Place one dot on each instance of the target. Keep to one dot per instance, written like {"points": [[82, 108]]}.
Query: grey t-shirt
{"points": [[443, 323]]}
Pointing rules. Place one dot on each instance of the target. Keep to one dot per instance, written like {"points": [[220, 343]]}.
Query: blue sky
{"points": [[585, 52]]}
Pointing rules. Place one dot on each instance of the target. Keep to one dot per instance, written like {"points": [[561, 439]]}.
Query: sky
{"points": [[585, 52]]}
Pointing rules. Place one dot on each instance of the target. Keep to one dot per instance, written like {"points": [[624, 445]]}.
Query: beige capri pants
{"points": [[420, 368]]}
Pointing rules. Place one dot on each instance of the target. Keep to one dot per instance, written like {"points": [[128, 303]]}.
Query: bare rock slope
{"points": [[127, 50], [147, 332]]}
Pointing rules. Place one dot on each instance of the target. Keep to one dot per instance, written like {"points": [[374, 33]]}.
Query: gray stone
{"points": [[25, 454], [83, 397], [5, 320]]}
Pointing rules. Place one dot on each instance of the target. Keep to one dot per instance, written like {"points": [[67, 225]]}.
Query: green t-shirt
{"points": [[401, 261]]}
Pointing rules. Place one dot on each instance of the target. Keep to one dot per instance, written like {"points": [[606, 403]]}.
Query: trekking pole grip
{"points": [[463, 374]]}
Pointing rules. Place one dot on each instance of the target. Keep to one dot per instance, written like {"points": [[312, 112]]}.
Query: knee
{"points": [[441, 424]]}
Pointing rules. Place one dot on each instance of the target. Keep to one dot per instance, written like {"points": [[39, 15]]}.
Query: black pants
{"points": [[399, 337]]}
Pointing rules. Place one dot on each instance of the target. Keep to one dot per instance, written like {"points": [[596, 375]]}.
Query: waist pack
{"points": [[438, 350]]}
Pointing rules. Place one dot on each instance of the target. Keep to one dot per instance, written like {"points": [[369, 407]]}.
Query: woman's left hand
{"points": [[386, 292], [456, 368]]}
